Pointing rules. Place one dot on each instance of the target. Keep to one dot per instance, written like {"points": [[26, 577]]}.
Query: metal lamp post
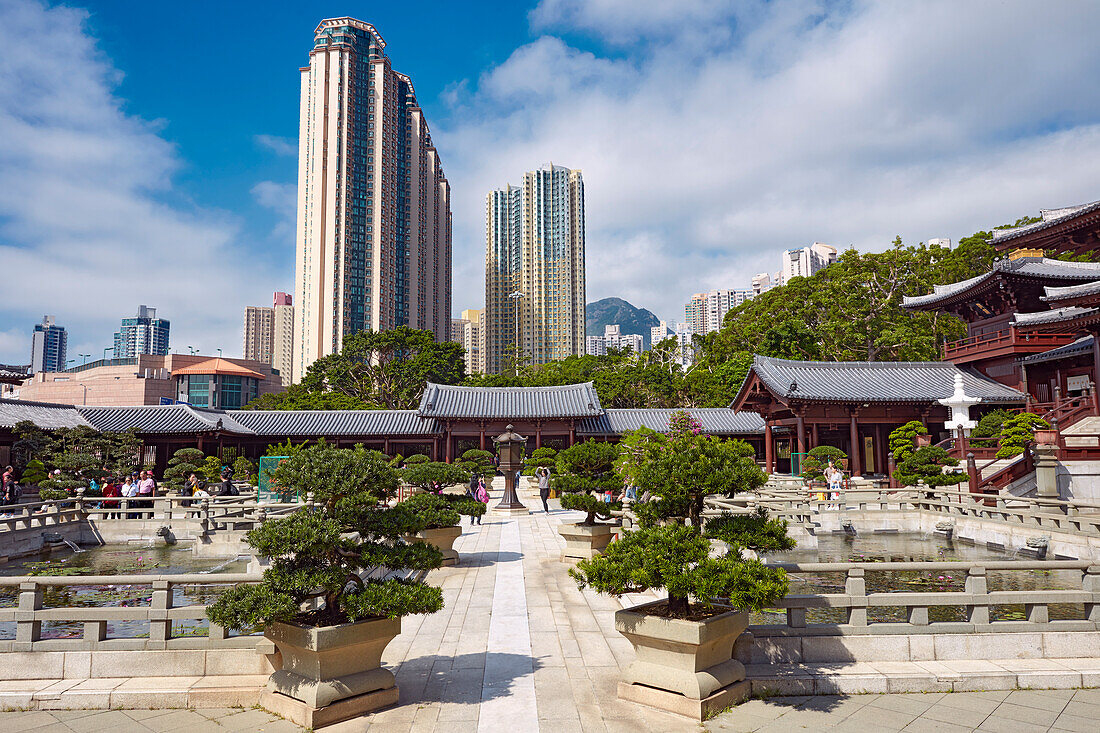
{"points": [[515, 307], [510, 448]]}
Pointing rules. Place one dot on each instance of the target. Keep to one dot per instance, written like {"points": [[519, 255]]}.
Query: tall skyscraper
{"points": [[534, 261], [48, 346], [374, 208], [269, 334], [469, 332], [705, 311], [142, 334]]}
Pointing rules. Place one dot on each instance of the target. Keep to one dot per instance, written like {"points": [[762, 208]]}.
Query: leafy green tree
{"points": [[815, 462], [987, 433], [326, 557], [387, 368], [244, 470], [34, 473], [1017, 431], [903, 439], [285, 449], [584, 473], [211, 468], [927, 464], [679, 471], [298, 397], [416, 458]]}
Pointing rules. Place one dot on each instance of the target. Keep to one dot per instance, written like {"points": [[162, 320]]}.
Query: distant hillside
{"points": [[616, 310]]}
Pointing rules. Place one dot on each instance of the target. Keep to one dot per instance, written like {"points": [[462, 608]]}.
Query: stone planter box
{"points": [[330, 673], [1046, 437], [443, 538], [584, 542], [683, 667]]}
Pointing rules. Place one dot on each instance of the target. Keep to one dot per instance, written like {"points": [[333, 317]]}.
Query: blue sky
{"points": [[147, 149]]}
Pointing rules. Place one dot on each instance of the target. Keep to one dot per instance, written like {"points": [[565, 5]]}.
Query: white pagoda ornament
{"points": [[960, 404]]}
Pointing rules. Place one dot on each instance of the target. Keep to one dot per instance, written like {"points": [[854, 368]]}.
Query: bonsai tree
{"points": [[416, 458], [245, 470], [427, 475], [182, 464], [478, 461], [540, 458], [34, 473], [903, 439], [442, 510], [815, 462], [585, 473], [1017, 431], [322, 560], [987, 433], [211, 467], [927, 464], [666, 553]]}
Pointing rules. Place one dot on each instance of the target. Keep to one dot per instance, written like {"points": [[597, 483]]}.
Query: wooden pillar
{"points": [[386, 446], [572, 432], [880, 450], [854, 460], [481, 435], [814, 438], [538, 434], [1095, 369], [769, 448], [801, 432]]}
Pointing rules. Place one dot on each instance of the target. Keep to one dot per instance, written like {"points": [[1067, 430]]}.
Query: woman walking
{"points": [[472, 491], [543, 475]]}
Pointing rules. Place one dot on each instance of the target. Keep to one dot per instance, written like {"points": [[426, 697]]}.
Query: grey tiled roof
{"points": [[715, 421], [875, 381], [572, 400], [1050, 218], [161, 419], [1033, 267], [335, 422], [1082, 345], [43, 414], [1053, 316], [1053, 295]]}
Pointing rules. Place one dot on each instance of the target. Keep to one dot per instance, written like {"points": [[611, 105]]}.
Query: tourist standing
{"points": [[835, 477], [147, 487], [111, 489], [129, 491], [472, 491], [543, 475], [7, 487]]}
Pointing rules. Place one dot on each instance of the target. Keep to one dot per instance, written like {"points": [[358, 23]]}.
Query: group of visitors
{"points": [[139, 487]]}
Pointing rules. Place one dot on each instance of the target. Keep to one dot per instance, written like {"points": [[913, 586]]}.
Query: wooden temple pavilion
{"points": [[853, 405]]}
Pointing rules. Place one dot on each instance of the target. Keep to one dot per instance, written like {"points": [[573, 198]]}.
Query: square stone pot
{"points": [[330, 673], [585, 541], [684, 667], [443, 538]]}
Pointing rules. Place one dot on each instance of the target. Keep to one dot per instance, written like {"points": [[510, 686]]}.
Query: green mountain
{"points": [[616, 310]]}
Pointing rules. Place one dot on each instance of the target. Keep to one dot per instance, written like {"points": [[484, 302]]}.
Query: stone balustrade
{"points": [[29, 614]]}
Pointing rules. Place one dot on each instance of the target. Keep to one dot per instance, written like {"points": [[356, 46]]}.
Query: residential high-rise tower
{"points": [[269, 334], [374, 213], [469, 332], [48, 345], [142, 334], [705, 311], [534, 268]]}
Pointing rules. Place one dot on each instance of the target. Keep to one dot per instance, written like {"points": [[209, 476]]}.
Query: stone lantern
{"points": [[960, 403], [510, 448]]}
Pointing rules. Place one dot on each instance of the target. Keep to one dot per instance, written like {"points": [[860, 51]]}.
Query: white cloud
{"points": [[278, 145], [282, 198], [788, 123], [85, 230]]}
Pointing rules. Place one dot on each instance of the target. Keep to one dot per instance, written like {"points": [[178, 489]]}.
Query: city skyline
{"points": [[695, 194]]}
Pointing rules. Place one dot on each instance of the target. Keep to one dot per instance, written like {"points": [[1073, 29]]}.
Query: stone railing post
{"points": [[855, 587], [160, 626], [1090, 582], [28, 629], [204, 515], [973, 480], [1046, 473], [309, 500], [796, 618], [80, 501], [978, 612]]}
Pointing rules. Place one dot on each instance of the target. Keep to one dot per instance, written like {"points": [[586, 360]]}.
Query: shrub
{"points": [[34, 473], [1017, 431], [927, 464], [585, 473], [478, 461], [244, 470], [182, 464], [903, 439], [327, 555], [426, 475], [679, 470], [987, 433], [417, 458], [432, 510], [815, 462]]}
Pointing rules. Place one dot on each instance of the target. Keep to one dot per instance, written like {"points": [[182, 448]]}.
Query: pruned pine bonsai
{"points": [[540, 458], [1017, 431], [478, 461], [427, 476], [585, 474], [815, 462], [903, 439], [679, 470], [927, 464], [441, 510], [183, 463], [322, 558], [416, 458]]}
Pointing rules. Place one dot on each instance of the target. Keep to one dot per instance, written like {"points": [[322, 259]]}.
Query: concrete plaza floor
{"points": [[519, 648]]}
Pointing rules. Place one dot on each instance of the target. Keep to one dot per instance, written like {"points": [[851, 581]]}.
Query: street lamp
{"points": [[510, 448], [219, 353], [85, 357], [109, 348], [515, 296], [191, 349]]}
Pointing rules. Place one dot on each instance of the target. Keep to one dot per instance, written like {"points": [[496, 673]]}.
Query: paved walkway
{"points": [[519, 648]]}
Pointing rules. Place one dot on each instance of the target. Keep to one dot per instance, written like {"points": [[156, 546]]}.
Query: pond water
{"points": [[915, 548], [154, 559]]}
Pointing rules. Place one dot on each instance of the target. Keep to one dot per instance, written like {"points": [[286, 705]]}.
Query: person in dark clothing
{"points": [[471, 491], [543, 475]]}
